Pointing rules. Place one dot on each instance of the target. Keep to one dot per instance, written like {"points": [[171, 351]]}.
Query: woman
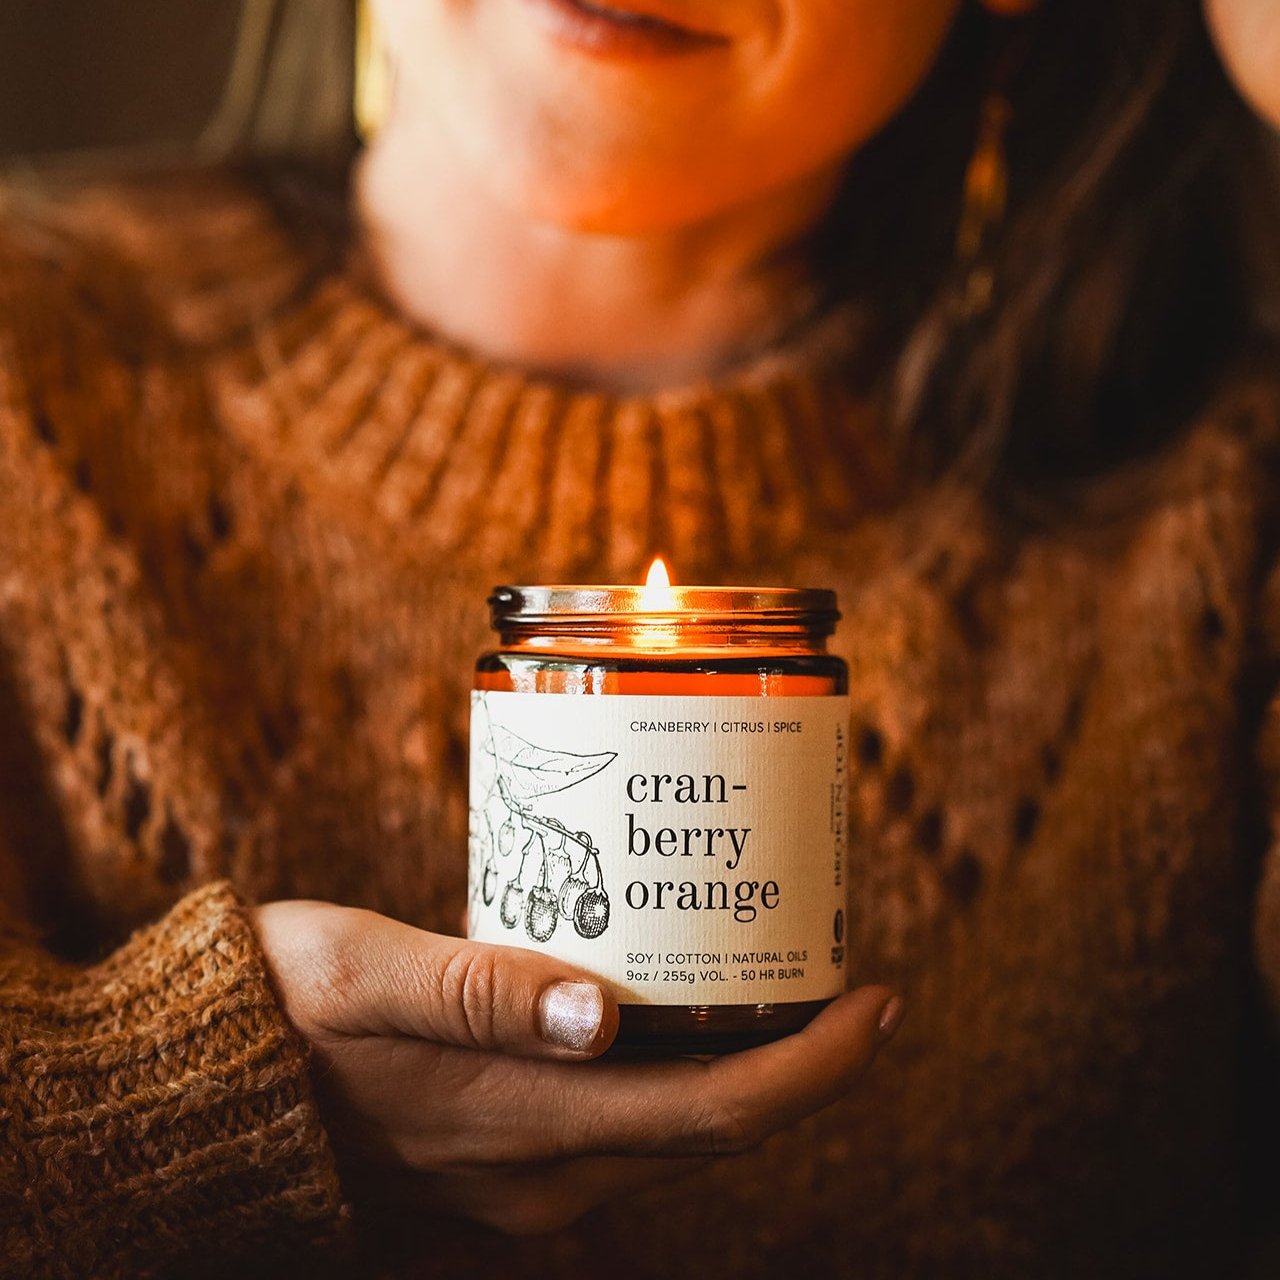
{"points": [[958, 311]]}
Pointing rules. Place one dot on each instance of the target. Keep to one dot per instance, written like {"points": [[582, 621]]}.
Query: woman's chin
{"points": [[612, 205]]}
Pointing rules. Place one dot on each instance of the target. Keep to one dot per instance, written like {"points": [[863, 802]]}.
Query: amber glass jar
{"points": [[658, 795]]}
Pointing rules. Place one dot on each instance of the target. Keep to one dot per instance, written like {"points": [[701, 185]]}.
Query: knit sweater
{"points": [[248, 519]]}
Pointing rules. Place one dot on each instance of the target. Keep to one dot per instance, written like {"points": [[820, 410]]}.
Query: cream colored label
{"points": [[688, 850]]}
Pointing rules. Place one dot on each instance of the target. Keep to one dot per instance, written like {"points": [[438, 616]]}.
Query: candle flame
{"points": [[657, 595]]}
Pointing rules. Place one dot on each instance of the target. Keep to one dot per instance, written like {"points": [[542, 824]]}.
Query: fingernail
{"points": [[570, 1014], [890, 1018]]}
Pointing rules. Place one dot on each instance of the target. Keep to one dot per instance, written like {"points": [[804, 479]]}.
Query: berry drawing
{"points": [[537, 870]]}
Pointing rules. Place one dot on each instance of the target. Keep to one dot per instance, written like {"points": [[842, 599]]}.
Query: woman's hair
{"points": [[290, 86], [1136, 259]]}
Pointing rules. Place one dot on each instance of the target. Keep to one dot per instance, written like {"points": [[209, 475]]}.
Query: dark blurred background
{"points": [[116, 74]]}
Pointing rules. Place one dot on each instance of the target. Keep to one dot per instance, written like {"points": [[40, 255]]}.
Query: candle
{"points": [[658, 795]]}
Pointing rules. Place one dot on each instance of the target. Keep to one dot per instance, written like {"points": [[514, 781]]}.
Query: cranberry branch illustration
{"points": [[558, 875]]}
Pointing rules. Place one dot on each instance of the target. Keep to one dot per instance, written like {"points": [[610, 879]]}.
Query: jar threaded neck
{"points": [[778, 612]]}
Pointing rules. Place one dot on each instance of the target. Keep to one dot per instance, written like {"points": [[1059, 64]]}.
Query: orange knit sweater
{"points": [[248, 519]]}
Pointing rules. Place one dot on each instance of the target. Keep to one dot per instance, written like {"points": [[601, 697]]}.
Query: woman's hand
{"points": [[464, 1070]]}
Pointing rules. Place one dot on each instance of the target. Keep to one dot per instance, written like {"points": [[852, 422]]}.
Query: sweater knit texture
{"points": [[248, 520]]}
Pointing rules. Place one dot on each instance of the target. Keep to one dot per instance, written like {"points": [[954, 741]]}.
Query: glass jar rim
{"points": [[811, 608]]}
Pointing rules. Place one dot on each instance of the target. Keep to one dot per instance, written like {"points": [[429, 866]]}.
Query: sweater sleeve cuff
{"points": [[157, 1106]]}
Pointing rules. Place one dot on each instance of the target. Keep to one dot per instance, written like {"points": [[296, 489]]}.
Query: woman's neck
{"points": [[626, 313]]}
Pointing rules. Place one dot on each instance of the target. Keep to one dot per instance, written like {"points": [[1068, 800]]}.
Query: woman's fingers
{"points": [[476, 996], [682, 1107], [347, 972], [733, 1102], [781, 1083]]}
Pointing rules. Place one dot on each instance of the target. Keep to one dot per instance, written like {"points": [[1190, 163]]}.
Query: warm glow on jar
{"points": [[658, 796]]}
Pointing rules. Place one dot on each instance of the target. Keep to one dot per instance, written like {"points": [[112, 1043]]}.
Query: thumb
{"points": [[354, 972]]}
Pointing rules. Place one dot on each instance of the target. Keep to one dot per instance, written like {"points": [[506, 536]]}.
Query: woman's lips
{"points": [[645, 29]]}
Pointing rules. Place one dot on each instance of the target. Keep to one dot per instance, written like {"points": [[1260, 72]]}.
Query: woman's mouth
{"points": [[632, 29]]}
